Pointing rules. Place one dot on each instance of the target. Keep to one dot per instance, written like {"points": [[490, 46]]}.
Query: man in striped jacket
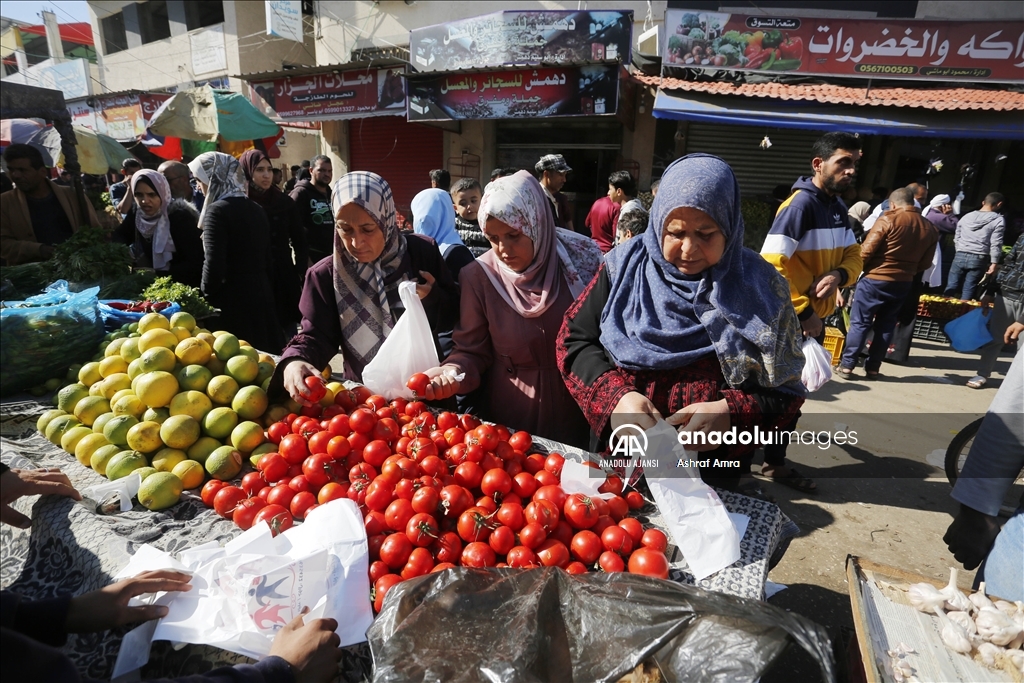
{"points": [[812, 246]]}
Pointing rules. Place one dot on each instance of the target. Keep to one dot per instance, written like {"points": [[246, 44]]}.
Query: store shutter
{"points": [[400, 152], [757, 170]]}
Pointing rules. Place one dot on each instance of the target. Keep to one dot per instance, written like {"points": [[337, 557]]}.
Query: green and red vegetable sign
{"points": [[868, 48]]}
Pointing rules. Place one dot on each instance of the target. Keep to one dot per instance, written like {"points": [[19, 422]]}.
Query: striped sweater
{"points": [[811, 236]]}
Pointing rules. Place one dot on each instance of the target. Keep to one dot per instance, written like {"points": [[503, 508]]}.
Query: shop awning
{"points": [[693, 106]]}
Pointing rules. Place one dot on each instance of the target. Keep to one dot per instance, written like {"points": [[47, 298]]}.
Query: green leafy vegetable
{"points": [[189, 298], [88, 257], [697, 34], [691, 20]]}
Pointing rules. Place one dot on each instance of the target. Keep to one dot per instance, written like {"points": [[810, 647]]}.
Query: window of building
{"points": [[153, 21], [36, 48], [114, 37], [200, 13]]}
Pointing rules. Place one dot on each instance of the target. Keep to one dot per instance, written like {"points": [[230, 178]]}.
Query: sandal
{"points": [[977, 382], [793, 480], [752, 489], [845, 372]]}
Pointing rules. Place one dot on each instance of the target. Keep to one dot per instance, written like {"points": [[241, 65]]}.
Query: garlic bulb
{"points": [[952, 634], [964, 621], [1007, 608], [996, 627], [925, 597], [979, 599], [989, 654], [1016, 658], [955, 598]]}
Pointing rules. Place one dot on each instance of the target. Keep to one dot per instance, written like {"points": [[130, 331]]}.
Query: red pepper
{"points": [[792, 48]]}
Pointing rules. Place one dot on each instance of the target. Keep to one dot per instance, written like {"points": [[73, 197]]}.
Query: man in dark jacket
{"points": [[313, 198], [896, 249], [979, 248], [1006, 294]]}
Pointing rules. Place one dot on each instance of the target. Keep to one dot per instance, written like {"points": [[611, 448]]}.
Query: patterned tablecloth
{"points": [[72, 549]]}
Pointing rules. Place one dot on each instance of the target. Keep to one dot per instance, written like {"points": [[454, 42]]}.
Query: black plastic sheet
{"points": [[547, 625]]}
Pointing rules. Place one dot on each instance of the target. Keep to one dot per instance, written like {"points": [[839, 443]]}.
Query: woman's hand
{"points": [[108, 607], [295, 374], [442, 382], [423, 290], [707, 417], [17, 483], [636, 409]]}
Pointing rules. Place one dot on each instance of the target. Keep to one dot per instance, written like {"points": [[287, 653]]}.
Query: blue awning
{"points": [[806, 115]]}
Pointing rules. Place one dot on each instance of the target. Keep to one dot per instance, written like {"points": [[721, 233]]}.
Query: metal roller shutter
{"points": [[400, 152], [757, 170]]}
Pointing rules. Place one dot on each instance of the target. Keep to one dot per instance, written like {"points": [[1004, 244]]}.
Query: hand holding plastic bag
{"points": [[817, 365], [408, 349]]}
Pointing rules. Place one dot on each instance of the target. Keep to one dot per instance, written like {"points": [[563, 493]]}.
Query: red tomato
{"points": [[488, 437], [524, 485], [649, 563], [425, 500], [395, 550], [357, 492], [317, 469], [634, 528], [375, 523], [299, 424], [602, 523], [552, 553], [474, 453], [521, 441], [617, 507], [330, 491], [398, 405], [634, 500], [376, 452], [454, 435], [300, 483], [402, 445], [491, 462], [521, 557], [580, 510], [377, 570], [456, 500], [381, 588], [398, 514], [318, 442], [387, 430], [225, 500], [468, 474], [611, 562], [511, 516], [542, 512], [553, 464], [502, 540], [282, 495], [363, 470], [294, 449], [447, 420], [617, 540], [532, 535], [586, 547], [276, 431], [419, 563], [514, 467], [277, 517], [357, 441], [329, 413], [374, 543], [576, 568], [379, 494], [346, 399], [339, 426], [315, 385], [534, 463], [209, 491], [422, 447], [414, 408], [487, 504], [468, 422], [264, 492], [457, 454], [418, 383], [312, 411], [503, 434], [362, 420], [553, 492], [245, 512], [504, 452], [433, 465], [562, 532], [376, 401], [405, 488], [474, 525], [478, 554], [545, 478], [655, 539], [338, 447], [495, 481], [613, 484], [301, 504], [421, 529], [512, 498], [447, 547]]}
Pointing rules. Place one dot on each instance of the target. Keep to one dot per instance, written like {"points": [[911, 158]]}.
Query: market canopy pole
{"points": [[19, 101]]}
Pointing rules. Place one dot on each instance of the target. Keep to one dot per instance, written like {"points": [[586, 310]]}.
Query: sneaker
{"points": [[977, 382]]}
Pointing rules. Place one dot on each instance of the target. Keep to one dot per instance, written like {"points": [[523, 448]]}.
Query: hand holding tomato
{"points": [[635, 408], [442, 382], [712, 416], [295, 375]]}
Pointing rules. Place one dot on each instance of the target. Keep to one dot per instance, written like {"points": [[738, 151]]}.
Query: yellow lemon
{"points": [[215, 365], [192, 351], [181, 333], [156, 414], [201, 449], [246, 436], [135, 368], [183, 319], [179, 431], [222, 390], [90, 374], [156, 389], [219, 422], [144, 437], [226, 345], [69, 396], [250, 403], [194, 377], [121, 394], [153, 321], [124, 463], [58, 426], [224, 463], [115, 383], [129, 405], [116, 429], [155, 338], [88, 445], [130, 349], [112, 364], [114, 347], [274, 414], [90, 408], [144, 472], [195, 404], [160, 491], [190, 472], [102, 456], [249, 352], [206, 337], [165, 459], [157, 358], [69, 440], [242, 368], [101, 422], [45, 418]]}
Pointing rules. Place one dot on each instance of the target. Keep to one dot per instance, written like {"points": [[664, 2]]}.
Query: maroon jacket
{"points": [[319, 338]]}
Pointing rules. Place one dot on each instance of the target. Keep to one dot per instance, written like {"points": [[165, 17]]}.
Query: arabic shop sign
{"points": [[524, 93], [504, 38], [330, 95], [868, 48]]}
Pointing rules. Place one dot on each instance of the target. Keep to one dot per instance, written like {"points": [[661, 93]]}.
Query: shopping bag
{"points": [[817, 365], [970, 331], [407, 350]]}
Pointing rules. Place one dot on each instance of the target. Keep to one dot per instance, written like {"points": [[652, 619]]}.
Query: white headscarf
{"points": [[156, 228], [222, 175]]}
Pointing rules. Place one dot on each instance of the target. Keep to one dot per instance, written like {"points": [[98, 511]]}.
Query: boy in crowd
{"points": [[466, 194], [622, 191], [632, 224]]}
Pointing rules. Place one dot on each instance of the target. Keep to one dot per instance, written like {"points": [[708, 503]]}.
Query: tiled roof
{"points": [[885, 96]]}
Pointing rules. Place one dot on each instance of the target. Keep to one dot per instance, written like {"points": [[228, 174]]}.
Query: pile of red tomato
{"points": [[438, 491]]}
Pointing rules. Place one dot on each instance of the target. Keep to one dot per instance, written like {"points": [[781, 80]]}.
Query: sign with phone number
{"points": [[866, 48]]}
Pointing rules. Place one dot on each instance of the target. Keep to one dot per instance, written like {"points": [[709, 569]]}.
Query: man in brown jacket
{"points": [[897, 249], [37, 214]]}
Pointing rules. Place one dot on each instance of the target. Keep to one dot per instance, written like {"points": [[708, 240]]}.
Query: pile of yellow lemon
{"points": [[171, 401]]}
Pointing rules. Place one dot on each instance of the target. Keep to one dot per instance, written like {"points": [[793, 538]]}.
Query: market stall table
{"points": [[73, 549]]}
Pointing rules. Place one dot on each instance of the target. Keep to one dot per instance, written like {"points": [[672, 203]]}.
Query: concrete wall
{"points": [[334, 143], [992, 10], [302, 144]]}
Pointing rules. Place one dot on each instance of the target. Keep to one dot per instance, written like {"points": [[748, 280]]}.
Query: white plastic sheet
{"points": [[407, 350]]}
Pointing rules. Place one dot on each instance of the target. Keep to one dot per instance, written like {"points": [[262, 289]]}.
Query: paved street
{"points": [[887, 498]]}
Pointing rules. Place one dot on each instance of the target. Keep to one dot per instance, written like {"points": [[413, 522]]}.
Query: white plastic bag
{"points": [[408, 349], [817, 365]]}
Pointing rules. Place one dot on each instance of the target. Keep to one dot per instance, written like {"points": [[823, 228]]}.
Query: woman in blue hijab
{"points": [[685, 323], [433, 215]]}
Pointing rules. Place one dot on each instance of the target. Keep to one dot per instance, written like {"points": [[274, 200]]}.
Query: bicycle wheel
{"points": [[958, 449]]}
